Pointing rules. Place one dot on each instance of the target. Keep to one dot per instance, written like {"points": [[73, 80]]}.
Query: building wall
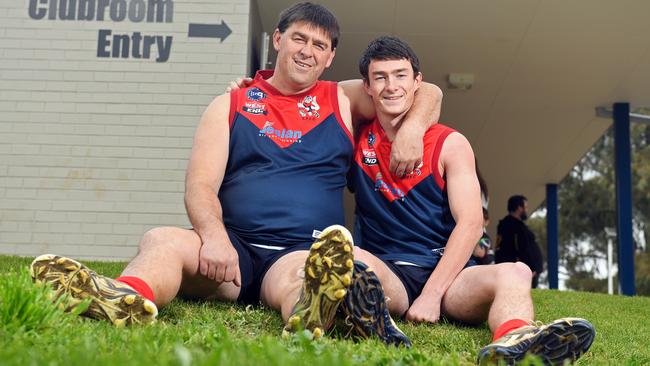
{"points": [[93, 148]]}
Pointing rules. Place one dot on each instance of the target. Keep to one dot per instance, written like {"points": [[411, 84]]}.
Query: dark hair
{"points": [[486, 214], [388, 48], [314, 14], [515, 202]]}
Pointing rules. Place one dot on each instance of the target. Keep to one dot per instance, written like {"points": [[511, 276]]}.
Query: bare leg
{"points": [[495, 293], [281, 285], [502, 292], [168, 261], [393, 287], [307, 287]]}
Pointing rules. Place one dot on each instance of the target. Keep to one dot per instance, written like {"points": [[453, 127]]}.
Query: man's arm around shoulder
{"points": [[407, 148]]}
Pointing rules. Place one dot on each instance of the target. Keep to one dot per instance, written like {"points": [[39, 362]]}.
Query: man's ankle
{"points": [[138, 285], [508, 327]]}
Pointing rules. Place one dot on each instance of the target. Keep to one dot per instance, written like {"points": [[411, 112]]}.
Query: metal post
{"points": [[611, 234], [624, 198], [552, 235], [610, 275]]}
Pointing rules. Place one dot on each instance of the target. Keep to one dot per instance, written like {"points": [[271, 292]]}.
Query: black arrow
{"points": [[209, 30]]}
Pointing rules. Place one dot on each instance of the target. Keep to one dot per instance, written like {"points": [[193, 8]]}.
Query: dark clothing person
{"points": [[517, 243]]}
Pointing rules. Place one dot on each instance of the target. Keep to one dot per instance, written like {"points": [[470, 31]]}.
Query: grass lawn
{"points": [[207, 333]]}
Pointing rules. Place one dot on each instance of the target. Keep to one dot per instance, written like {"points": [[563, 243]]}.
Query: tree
{"points": [[642, 273], [586, 199]]}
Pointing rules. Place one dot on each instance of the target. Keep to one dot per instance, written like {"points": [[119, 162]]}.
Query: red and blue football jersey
{"points": [[287, 163], [400, 219]]}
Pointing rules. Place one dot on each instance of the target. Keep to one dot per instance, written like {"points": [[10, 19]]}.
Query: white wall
{"points": [[93, 149]]}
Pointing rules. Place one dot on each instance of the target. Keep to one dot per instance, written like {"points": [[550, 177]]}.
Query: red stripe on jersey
{"points": [[435, 158], [372, 154], [337, 110], [290, 117]]}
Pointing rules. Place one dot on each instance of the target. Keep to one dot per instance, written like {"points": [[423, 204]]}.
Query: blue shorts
{"points": [[414, 277], [254, 261]]}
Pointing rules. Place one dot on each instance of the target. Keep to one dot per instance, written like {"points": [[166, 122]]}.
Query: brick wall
{"points": [[93, 149]]}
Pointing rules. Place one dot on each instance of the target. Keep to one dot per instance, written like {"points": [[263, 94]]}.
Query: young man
{"points": [[421, 229], [266, 173]]}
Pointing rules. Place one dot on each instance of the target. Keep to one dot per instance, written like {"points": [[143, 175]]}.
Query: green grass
{"points": [[207, 333]]}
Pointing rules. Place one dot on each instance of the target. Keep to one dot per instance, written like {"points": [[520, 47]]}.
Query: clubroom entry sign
{"points": [[134, 45]]}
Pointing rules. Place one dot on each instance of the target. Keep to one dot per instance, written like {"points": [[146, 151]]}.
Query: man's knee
{"points": [[393, 288], [517, 272], [159, 238], [362, 255]]}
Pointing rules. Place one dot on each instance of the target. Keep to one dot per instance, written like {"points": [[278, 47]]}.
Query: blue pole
{"points": [[624, 198], [552, 237]]}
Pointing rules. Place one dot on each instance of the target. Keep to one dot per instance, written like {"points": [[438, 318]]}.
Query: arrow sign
{"points": [[209, 30]]}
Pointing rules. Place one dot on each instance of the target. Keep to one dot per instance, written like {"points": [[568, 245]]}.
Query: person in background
{"points": [[515, 241], [483, 252]]}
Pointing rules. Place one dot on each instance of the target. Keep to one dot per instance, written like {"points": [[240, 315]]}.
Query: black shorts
{"points": [[254, 261], [414, 277]]}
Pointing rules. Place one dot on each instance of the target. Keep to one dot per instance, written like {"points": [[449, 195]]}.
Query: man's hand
{"points": [[219, 262], [238, 84], [406, 151], [424, 310]]}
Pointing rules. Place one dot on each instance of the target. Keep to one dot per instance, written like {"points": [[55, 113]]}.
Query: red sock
{"points": [[507, 327], [138, 285]]}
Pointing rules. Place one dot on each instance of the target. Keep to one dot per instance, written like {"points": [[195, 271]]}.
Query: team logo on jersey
{"points": [[371, 139], [284, 135], [255, 94], [308, 107], [387, 189], [369, 156], [254, 108]]}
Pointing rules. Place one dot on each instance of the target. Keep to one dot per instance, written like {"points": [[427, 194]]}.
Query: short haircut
{"points": [[388, 48], [313, 14], [515, 202]]}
